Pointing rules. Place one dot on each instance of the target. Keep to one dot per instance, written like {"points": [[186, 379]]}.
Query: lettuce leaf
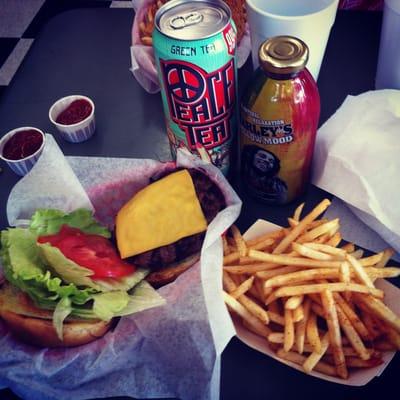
{"points": [[71, 272], [119, 303], [62, 310], [107, 305], [49, 221], [26, 268], [19, 245], [65, 268], [141, 298], [124, 283]]}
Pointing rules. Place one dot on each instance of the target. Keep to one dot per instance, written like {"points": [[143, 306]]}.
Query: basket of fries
{"points": [[303, 297]]}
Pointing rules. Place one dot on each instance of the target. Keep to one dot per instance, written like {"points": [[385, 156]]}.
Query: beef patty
{"points": [[212, 201]]}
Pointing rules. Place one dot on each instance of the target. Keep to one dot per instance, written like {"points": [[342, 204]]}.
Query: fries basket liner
{"points": [[168, 351], [142, 57], [358, 377], [357, 160]]}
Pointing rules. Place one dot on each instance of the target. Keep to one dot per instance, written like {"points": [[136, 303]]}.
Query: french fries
{"points": [[311, 298], [146, 26], [288, 332], [316, 356], [312, 333], [240, 243]]}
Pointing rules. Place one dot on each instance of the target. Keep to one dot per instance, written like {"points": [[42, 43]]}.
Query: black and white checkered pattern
{"points": [[21, 20]]}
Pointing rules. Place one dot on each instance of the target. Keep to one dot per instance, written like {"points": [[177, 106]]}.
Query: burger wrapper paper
{"points": [[358, 377], [169, 351], [357, 160], [142, 57]]}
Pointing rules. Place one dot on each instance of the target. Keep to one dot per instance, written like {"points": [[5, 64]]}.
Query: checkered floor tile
{"points": [[21, 20]]}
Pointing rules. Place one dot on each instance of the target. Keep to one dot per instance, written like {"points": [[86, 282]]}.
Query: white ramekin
{"points": [[24, 165], [74, 133]]}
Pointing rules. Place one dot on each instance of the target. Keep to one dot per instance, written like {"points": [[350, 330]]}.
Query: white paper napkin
{"points": [[357, 159], [50, 178], [354, 230]]}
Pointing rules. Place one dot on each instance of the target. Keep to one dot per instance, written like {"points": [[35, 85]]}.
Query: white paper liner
{"points": [[354, 230], [358, 377], [142, 57], [357, 159], [51, 178], [169, 351]]}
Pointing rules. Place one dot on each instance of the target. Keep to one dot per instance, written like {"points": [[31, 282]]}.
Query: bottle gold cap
{"points": [[283, 55]]}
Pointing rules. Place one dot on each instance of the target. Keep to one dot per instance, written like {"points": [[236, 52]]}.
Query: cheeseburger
{"points": [[163, 226], [65, 282]]}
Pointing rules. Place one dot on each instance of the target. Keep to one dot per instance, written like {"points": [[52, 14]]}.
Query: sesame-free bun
{"points": [[41, 332], [34, 325]]}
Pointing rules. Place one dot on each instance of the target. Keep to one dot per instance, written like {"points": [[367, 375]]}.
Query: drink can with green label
{"points": [[194, 44]]}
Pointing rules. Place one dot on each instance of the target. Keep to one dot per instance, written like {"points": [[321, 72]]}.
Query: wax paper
{"points": [[354, 230], [51, 178], [357, 159], [142, 57], [358, 377], [169, 351]]}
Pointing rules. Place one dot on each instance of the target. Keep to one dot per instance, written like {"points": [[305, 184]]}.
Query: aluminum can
{"points": [[279, 116], [194, 44]]}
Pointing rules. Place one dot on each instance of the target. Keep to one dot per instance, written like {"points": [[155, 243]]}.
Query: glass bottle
{"points": [[279, 115]]}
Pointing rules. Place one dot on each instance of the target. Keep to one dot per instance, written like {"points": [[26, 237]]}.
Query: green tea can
{"points": [[194, 45]]}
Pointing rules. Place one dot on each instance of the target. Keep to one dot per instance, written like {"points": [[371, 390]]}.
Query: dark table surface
{"points": [[87, 52]]}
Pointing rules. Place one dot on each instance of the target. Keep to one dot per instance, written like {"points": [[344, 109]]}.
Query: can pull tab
{"points": [[181, 21]]}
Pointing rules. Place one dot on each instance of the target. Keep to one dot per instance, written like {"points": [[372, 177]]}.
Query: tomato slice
{"points": [[94, 252]]}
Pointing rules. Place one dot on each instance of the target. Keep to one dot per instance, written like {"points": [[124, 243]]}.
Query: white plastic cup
{"points": [[388, 71], [309, 20]]}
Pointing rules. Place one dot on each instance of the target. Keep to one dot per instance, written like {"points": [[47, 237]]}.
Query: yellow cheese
{"points": [[160, 214]]}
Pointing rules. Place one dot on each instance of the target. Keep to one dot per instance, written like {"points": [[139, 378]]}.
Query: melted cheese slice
{"points": [[160, 214]]}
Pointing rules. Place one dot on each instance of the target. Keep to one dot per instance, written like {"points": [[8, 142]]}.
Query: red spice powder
{"points": [[22, 144], [76, 112]]}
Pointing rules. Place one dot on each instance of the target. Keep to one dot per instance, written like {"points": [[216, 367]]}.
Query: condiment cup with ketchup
{"points": [[21, 148], [74, 118]]}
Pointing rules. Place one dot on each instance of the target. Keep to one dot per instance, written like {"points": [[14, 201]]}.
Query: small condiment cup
{"points": [[24, 165], [74, 133]]}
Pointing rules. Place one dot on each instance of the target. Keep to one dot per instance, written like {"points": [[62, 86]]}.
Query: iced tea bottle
{"points": [[279, 115]]}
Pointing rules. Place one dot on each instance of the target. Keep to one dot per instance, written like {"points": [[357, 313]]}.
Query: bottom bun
{"points": [[170, 273], [41, 332]]}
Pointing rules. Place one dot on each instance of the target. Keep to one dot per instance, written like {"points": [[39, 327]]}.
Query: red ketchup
{"points": [[76, 112], [22, 144]]}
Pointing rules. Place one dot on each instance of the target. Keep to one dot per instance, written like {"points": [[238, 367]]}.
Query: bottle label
{"points": [[262, 143], [278, 123], [269, 132]]}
